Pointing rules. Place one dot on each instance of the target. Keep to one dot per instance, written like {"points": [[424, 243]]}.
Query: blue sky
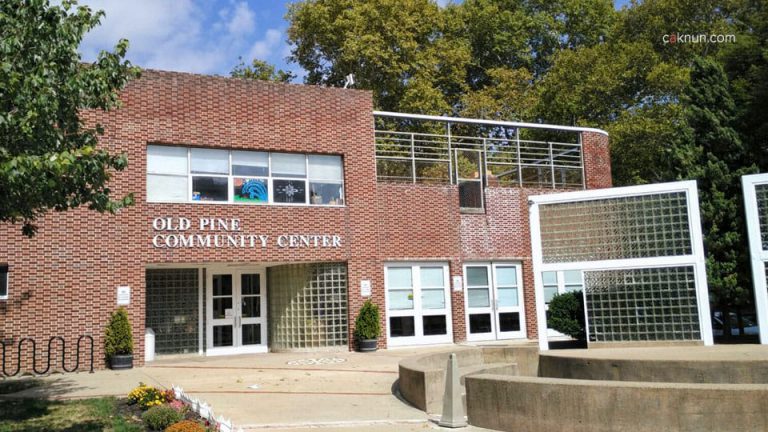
{"points": [[200, 36]]}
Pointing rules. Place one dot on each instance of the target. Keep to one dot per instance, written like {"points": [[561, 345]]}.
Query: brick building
{"points": [[267, 213]]}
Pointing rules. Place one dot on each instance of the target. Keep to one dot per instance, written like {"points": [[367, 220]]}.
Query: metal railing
{"points": [[30, 341], [503, 158]]}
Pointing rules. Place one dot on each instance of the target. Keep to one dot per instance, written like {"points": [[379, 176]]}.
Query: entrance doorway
{"points": [[236, 311], [494, 301]]}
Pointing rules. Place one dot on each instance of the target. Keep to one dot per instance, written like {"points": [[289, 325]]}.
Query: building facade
{"points": [[266, 214]]}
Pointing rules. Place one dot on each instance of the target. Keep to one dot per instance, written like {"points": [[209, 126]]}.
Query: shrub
{"points": [[186, 426], [147, 396], [566, 314], [160, 417], [118, 339], [367, 324]]}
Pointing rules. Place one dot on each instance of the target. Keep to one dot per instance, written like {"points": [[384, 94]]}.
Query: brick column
{"points": [[597, 160]]}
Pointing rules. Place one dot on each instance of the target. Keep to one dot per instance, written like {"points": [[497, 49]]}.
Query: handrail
{"points": [[64, 368]]}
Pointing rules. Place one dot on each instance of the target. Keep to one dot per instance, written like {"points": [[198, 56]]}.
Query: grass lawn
{"points": [[99, 414]]}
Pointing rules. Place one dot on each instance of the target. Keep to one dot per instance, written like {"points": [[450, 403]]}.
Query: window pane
{"points": [[478, 297], [572, 277], [401, 300], [167, 188], [250, 163], [506, 276], [325, 167], [508, 297], [209, 161], [401, 326], [326, 193], [222, 336], [250, 284], [209, 188], [251, 307], [399, 277], [549, 292], [432, 277], [433, 299], [509, 321], [288, 165], [434, 325], [3, 281], [549, 277], [167, 160], [477, 276], [251, 334], [220, 307], [480, 323], [222, 285], [290, 191], [250, 190]]}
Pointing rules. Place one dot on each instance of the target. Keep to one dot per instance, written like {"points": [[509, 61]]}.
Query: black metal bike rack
{"points": [[48, 355]]}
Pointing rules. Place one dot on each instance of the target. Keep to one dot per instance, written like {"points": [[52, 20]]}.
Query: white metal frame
{"points": [[758, 256], [418, 312], [236, 320], [696, 259], [494, 309]]}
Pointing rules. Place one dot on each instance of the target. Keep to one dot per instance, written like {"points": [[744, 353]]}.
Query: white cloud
{"points": [[243, 20], [264, 48]]}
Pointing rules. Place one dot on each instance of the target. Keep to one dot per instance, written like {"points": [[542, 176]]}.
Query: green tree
{"points": [[261, 70], [49, 158], [715, 156]]}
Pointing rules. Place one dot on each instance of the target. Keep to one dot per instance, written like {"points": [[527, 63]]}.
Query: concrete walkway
{"points": [[343, 391]]}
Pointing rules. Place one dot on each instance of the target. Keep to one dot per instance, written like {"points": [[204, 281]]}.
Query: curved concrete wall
{"points": [[549, 404], [680, 371]]}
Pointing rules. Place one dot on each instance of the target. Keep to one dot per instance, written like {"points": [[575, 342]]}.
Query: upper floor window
{"points": [[181, 174]]}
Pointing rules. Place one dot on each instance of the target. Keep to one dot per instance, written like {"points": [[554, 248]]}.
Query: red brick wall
{"points": [[63, 281]]}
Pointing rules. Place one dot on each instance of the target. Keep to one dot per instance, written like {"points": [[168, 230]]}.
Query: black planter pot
{"points": [[367, 345], [121, 361]]}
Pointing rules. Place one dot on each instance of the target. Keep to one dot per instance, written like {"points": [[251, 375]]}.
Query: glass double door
{"points": [[236, 312], [494, 301]]}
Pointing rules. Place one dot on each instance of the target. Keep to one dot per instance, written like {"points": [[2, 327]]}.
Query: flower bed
{"points": [[174, 411]]}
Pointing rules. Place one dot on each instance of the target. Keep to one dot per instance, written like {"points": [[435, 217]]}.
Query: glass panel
{"points": [[433, 298], [250, 190], [509, 321], [167, 160], [480, 323], [209, 161], [289, 165], [761, 195], [222, 336], [394, 170], [247, 163], [477, 276], [401, 299], [251, 306], [220, 306], [434, 325], [172, 309], [209, 188], [222, 285], [506, 276], [250, 284], [326, 193], [549, 278], [432, 277], [572, 277], [507, 297], [167, 188], [325, 167], [478, 297], [549, 292], [399, 277], [401, 326], [3, 281], [290, 191], [251, 334], [470, 194]]}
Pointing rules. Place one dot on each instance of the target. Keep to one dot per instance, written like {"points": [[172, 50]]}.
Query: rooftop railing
{"points": [[474, 154]]}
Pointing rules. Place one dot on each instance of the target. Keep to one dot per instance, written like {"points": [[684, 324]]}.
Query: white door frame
{"points": [[493, 307], [236, 320], [758, 255]]}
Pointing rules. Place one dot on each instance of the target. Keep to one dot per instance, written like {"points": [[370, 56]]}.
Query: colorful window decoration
{"points": [[251, 190]]}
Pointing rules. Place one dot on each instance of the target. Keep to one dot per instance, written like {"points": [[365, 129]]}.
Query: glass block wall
{"points": [[172, 309], [638, 226], [761, 193], [654, 304], [307, 306]]}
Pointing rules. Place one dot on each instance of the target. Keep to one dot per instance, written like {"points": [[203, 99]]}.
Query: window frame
{"points": [[417, 311], [230, 176], [5, 268]]}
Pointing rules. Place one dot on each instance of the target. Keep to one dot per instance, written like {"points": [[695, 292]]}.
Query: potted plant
{"points": [[118, 341], [367, 327]]}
